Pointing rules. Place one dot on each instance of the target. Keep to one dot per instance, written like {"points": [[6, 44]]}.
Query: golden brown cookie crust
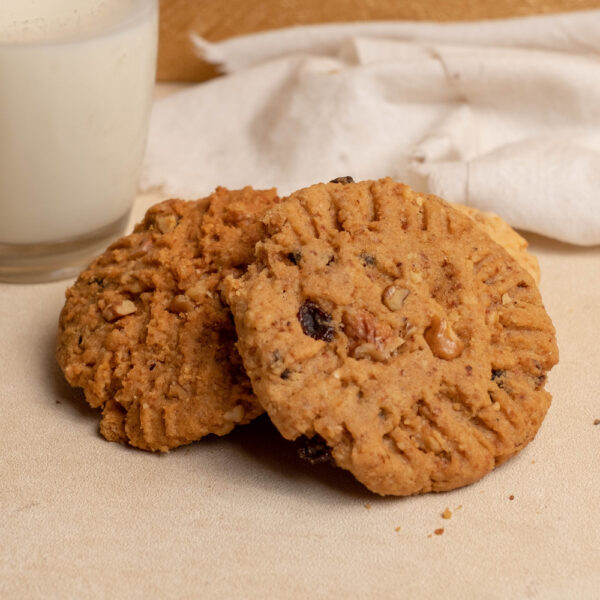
{"points": [[393, 327], [144, 331], [502, 233]]}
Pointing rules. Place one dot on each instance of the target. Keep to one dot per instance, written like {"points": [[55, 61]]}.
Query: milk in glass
{"points": [[76, 79]]}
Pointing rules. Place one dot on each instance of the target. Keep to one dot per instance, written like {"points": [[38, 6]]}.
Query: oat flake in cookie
{"points": [[391, 326], [144, 331]]}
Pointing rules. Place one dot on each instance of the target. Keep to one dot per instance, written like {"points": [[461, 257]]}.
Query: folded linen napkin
{"points": [[500, 115]]}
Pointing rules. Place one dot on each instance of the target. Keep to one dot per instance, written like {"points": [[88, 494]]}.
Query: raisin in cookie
{"points": [[144, 331], [395, 329]]}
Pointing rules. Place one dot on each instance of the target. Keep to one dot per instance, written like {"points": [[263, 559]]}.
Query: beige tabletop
{"points": [[242, 517]]}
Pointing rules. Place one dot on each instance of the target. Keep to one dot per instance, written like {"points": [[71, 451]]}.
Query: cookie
{"points": [[502, 233], [144, 331], [390, 328]]}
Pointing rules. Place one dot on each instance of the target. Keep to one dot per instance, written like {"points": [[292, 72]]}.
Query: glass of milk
{"points": [[76, 84]]}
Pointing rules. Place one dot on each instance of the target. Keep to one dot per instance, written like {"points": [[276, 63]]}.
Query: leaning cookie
{"points": [[390, 327], [144, 331]]}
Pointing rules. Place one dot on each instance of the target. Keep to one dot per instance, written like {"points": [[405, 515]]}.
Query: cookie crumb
{"points": [[396, 529], [438, 531], [596, 421], [447, 514], [368, 506], [458, 507], [511, 497]]}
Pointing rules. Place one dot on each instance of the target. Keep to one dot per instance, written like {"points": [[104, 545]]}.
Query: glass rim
{"points": [[139, 11]]}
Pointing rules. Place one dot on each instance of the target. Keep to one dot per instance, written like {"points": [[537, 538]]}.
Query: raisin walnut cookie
{"points": [[390, 327], [144, 331]]}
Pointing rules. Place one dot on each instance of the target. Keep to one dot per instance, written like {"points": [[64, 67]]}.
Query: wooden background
{"points": [[219, 19]]}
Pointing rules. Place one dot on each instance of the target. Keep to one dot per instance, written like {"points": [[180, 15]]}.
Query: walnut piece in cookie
{"points": [[144, 330], [390, 324], [442, 340]]}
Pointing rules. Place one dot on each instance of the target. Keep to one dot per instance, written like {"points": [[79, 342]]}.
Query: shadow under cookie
{"points": [[265, 450]]}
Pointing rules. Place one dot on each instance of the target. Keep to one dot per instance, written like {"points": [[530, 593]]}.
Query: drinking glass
{"points": [[76, 84]]}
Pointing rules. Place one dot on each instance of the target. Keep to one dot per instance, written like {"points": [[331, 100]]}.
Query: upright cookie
{"points": [[144, 331], [391, 327]]}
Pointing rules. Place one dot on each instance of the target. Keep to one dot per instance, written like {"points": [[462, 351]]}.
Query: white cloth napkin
{"points": [[500, 115]]}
